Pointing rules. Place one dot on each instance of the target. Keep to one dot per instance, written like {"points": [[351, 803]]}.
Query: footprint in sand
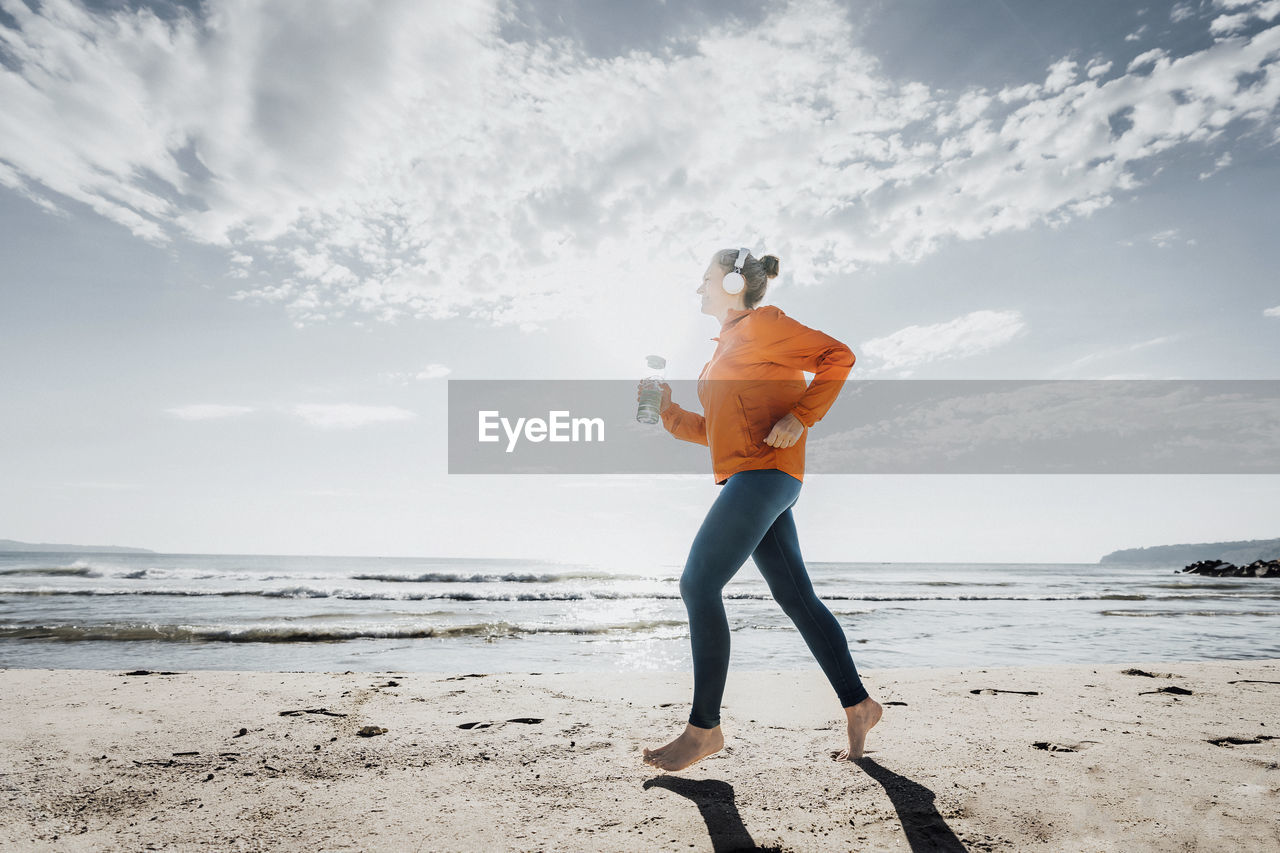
{"points": [[1252, 681], [149, 672], [1232, 740], [1064, 747], [483, 725], [1143, 672]]}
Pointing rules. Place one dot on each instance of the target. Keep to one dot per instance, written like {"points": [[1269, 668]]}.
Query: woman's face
{"points": [[714, 300]]}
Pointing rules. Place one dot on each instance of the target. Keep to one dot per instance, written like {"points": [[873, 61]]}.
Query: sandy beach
{"points": [[1174, 756]]}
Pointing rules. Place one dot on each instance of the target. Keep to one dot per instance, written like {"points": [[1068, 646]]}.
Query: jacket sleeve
{"points": [[684, 424], [785, 341]]}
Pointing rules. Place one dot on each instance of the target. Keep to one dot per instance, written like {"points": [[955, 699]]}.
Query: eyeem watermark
{"points": [[964, 426], [557, 427]]}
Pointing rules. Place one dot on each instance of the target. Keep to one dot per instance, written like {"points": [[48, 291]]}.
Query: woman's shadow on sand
{"points": [[923, 825]]}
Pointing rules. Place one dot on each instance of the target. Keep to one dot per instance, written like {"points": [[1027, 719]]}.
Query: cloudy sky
{"points": [[244, 247]]}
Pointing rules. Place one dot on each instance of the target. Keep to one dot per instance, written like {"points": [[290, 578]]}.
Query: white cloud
{"points": [[427, 373], [1163, 239], [433, 371], [966, 110], [967, 335], [1218, 165], [504, 181], [1224, 24], [1061, 75], [208, 411], [349, 415], [1271, 312], [1097, 68], [1025, 92], [1136, 34], [1112, 352], [1147, 56], [1181, 11]]}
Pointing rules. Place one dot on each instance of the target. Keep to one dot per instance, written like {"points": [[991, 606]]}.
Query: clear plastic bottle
{"points": [[651, 396]]}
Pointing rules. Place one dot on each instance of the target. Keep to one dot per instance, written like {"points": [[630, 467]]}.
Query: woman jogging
{"points": [[757, 413]]}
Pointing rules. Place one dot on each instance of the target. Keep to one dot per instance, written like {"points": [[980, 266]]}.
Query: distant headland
{"points": [[1240, 553], [15, 545]]}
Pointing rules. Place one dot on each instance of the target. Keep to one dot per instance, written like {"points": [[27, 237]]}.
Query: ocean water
{"points": [[246, 612]]}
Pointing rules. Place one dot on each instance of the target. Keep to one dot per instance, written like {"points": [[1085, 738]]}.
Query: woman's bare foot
{"points": [[693, 744], [862, 717]]}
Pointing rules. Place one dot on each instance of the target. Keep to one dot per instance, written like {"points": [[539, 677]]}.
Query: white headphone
{"points": [[734, 281]]}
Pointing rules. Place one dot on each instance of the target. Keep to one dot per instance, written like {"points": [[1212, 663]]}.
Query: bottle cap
{"points": [[656, 362]]}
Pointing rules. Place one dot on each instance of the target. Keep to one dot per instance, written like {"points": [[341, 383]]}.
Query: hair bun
{"points": [[770, 264]]}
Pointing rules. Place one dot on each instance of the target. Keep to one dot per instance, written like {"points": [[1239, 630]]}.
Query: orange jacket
{"points": [[756, 376]]}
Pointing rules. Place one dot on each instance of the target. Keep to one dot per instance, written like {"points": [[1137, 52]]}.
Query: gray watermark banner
{"points": [[950, 426]]}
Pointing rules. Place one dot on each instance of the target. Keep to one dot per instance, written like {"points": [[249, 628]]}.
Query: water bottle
{"points": [[651, 395]]}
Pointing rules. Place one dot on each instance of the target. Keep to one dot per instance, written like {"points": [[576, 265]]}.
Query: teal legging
{"points": [[752, 517]]}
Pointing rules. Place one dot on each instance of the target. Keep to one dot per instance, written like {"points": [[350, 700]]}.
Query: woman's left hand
{"points": [[785, 432]]}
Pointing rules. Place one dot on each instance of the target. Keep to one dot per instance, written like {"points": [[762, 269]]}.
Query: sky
{"points": [[244, 247]]}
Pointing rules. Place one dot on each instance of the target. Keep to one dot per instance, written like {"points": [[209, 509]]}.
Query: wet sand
{"points": [[1081, 758]]}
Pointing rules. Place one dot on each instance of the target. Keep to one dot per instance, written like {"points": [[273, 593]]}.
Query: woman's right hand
{"points": [[666, 395]]}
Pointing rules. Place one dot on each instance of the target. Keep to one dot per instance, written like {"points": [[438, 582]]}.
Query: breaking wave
{"points": [[291, 634]]}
